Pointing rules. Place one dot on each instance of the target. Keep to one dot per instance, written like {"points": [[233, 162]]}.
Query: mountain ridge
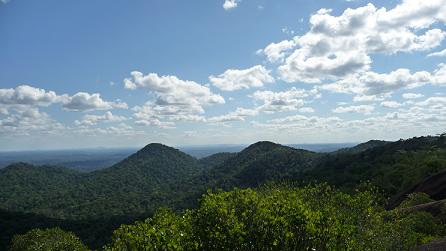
{"points": [[161, 176]]}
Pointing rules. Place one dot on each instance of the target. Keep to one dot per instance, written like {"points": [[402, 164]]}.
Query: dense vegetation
{"points": [[160, 176], [315, 217], [280, 218], [392, 167], [48, 239]]}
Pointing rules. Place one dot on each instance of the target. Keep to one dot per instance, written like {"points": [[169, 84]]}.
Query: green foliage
{"points": [[165, 231], [414, 199], [93, 204], [413, 227], [53, 239], [146, 180], [215, 159], [279, 218], [258, 164], [392, 167]]}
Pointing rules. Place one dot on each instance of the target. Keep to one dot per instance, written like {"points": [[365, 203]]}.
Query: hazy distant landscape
{"points": [[96, 159]]}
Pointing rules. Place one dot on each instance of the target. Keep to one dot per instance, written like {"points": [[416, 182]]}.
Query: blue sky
{"points": [[78, 74]]}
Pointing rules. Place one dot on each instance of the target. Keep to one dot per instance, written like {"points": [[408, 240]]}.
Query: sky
{"points": [[82, 74]]}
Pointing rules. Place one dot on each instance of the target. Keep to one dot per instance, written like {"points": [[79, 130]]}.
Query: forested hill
{"points": [[260, 163], [161, 176], [392, 167]]}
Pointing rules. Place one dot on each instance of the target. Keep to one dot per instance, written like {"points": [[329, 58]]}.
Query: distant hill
{"points": [[28, 188], [363, 146], [134, 186], [259, 163], [158, 175], [161, 176], [215, 159], [85, 160], [392, 166]]}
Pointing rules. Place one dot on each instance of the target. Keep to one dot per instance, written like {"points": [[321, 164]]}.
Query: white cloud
{"points": [[26, 120], [232, 80], [391, 104], [438, 54], [433, 102], [337, 46], [364, 109], [289, 100], [83, 101], [416, 120], [313, 119], [372, 84], [277, 51], [174, 99], [171, 91], [27, 95], [412, 95], [299, 67], [367, 98], [187, 117], [230, 4], [376, 83], [306, 110], [238, 115], [155, 122], [439, 75], [288, 31], [271, 102], [89, 120]]}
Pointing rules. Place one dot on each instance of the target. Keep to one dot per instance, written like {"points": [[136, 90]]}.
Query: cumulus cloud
{"points": [[171, 91], [391, 104], [433, 102], [25, 120], [89, 120], [364, 109], [174, 99], [155, 122], [232, 80], [412, 95], [293, 99], [230, 4], [405, 122], [302, 118], [439, 75], [238, 115], [277, 51], [290, 100], [438, 54], [27, 95], [300, 67], [367, 98], [83, 101], [306, 110], [371, 84], [376, 83], [337, 46]]}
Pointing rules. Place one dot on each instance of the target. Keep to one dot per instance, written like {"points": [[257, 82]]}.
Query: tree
{"points": [[315, 217], [53, 239]]}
